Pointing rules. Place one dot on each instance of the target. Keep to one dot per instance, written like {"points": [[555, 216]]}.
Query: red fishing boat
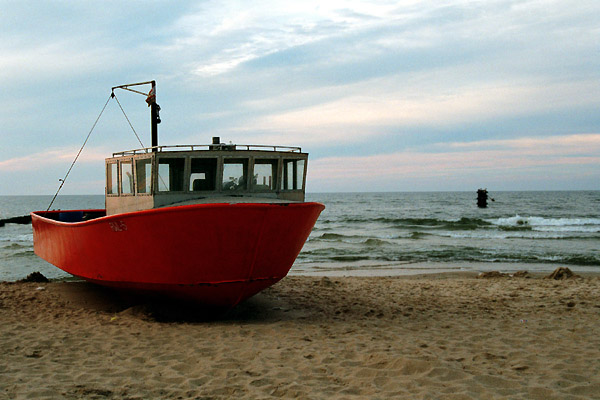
{"points": [[212, 223]]}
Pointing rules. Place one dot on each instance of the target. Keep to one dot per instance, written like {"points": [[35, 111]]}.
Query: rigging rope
{"points": [[62, 181], [129, 122], [77, 156]]}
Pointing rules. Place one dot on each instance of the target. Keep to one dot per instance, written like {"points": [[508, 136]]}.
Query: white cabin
{"points": [[218, 173]]}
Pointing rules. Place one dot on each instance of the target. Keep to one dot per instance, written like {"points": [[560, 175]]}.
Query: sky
{"points": [[383, 95]]}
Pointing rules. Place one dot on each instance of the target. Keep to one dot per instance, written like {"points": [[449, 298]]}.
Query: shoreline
{"points": [[392, 269], [430, 336], [377, 269]]}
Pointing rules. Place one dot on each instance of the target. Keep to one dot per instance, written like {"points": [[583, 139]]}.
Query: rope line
{"points": [[129, 122], [77, 156]]}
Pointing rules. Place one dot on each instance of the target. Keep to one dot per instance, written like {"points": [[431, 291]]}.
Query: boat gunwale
{"points": [[155, 211]]}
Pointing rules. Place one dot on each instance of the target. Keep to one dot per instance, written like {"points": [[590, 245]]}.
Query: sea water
{"points": [[395, 233], [398, 233]]}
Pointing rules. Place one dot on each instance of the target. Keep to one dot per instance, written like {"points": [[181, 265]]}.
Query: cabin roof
{"points": [[210, 147]]}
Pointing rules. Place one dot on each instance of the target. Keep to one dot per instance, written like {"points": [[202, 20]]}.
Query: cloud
{"points": [[250, 31], [219, 37], [47, 60], [410, 78], [52, 157], [359, 117], [486, 160], [566, 145]]}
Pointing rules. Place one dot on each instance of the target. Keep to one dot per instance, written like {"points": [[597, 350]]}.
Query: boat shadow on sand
{"points": [[86, 296]]}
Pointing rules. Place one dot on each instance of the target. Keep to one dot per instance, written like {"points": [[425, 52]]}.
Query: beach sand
{"points": [[446, 336]]}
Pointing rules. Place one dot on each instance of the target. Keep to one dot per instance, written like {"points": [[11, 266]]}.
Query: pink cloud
{"points": [[52, 157], [495, 157]]}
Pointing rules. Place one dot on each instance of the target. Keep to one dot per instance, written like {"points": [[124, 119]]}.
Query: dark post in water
{"points": [[482, 198]]}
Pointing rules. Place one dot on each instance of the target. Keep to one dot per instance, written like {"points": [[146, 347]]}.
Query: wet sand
{"points": [[447, 336]]}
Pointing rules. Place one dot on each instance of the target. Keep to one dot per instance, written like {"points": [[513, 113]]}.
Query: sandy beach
{"points": [[447, 336]]}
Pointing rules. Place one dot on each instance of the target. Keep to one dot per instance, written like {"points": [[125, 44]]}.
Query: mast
{"points": [[154, 118], [154, 107]]}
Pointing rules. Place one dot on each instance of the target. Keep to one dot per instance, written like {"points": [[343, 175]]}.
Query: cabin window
{"points": [[293, 174], [203, 174], [112, 182], [235, 174], [127, 177], [143, 173], [170, 174], [265, 175]]}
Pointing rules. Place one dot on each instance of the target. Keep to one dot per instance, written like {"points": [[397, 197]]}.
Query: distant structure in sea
{"points": [[482, 198]]}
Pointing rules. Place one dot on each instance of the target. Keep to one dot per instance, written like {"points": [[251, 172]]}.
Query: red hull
{"points": [[217, 254]]}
